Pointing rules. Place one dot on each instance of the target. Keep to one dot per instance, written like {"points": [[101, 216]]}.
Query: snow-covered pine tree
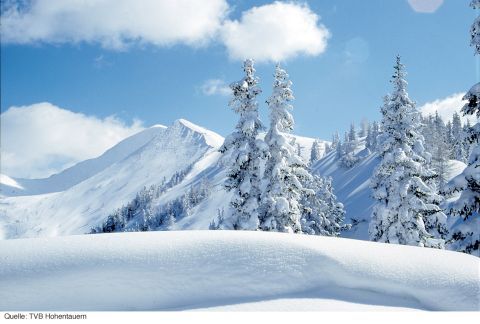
{"points": [[364, 126], [428, 132], [440, 151], [284, 170], [406, 207], [458, 139], [335, 141], [475, 29], [246, 153], [465, 233], [315, 153], [348, 158], [340, 149], [299, 149], [327, 148], [467, 145], [368, 138], [371, 140], [322, 213], [352, 137], [449, 136]]}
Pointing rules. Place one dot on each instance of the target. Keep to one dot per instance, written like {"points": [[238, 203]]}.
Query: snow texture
{"points": [[227, 269]]}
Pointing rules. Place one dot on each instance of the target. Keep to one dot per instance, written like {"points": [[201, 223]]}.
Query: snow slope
{"points": [[157, 153], [222, 270], [351, 186], [95, 188], [81, 171], [77, 209]]}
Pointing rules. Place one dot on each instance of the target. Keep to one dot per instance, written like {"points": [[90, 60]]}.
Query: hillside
{"points": [[81, 206], [221, 270], [183, 152]]}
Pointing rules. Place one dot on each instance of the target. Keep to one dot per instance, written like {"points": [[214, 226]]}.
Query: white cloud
{"points": [[446, 107], [114, 23], [42, 139], [272, 32], [215, 87], [275, 32], [425, 6]]}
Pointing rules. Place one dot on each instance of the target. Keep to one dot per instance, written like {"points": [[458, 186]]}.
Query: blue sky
{"points": [[159, 82]]}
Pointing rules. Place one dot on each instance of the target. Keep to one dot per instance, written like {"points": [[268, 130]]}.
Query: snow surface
{"points": [[352, 188], [223, 270], [76, 210]]}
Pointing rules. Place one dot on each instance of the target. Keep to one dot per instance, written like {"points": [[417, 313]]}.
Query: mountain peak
{"points": [[158, 126], [211, 138]]}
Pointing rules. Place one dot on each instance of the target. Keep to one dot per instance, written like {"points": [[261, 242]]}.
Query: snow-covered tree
{"points": [[467, 145], [372, 133], [335, 141], [299, 149], [458, 139], [475, 29], [284, 170], [322, 213], [347, 155], [340, 149], [316, 152], [449, 135], [246, 153], [364, 126], [465, 233], [352, 136], [440, 151], [406, 208], [327, 148], [428, 132]]}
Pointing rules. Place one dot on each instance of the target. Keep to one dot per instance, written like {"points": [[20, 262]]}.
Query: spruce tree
{"points": [[348, 158], [335, 141], [364, 126], [322, 214], [465, 233], [246, 153], [406, 206], [284, 170], [371, 140], [458, 139], [440, 151], [315, 153]]}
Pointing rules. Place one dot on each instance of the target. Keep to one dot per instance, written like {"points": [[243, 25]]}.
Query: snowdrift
{"points": [[231, 270]]}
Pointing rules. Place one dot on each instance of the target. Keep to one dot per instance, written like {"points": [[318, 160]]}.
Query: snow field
{"points": [[227, 269]]}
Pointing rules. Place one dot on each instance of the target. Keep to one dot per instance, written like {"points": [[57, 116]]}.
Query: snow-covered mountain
{"points": [[136, 162], [81, 171], [81, 197]]}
